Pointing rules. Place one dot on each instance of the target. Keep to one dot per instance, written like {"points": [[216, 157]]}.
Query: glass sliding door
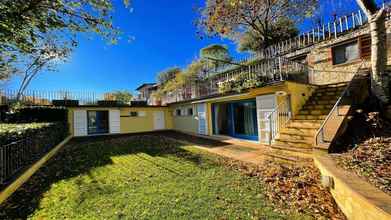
{"points": [[221, 119], [245, 120], [236, 119], [98, 122]]}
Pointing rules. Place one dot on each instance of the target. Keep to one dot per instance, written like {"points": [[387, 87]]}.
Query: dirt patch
{"points": [[366, 147], [293, 187], [371, 160]]}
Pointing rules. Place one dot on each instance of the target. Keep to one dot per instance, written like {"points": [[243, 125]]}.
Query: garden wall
{"points": [[356, 198]]}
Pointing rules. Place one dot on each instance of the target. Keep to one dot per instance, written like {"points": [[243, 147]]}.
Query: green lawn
{"points": [[138, 177]]}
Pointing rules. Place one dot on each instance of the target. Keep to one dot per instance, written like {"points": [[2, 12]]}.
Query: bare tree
{"points": [[380, 79], [43, 57]]}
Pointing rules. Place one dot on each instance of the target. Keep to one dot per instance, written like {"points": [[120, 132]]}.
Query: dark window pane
{"points": [[345, 53], [190, 111], [133, 114], [98, 122]]}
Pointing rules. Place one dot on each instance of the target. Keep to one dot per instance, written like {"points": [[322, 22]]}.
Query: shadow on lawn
{"points": [[80, 156]]}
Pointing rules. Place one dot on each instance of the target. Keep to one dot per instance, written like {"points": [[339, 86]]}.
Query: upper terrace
{"points": [[287, 60]]}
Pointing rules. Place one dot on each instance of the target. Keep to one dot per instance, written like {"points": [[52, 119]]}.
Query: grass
{"points": [[13, 127], [138, 177]]}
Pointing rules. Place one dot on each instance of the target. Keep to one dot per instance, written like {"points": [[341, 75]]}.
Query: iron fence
{"points": [[19, 154], [45, 98]]}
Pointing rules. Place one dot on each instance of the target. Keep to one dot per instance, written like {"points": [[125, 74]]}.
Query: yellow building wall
{"points": [[185, 123], [143, 123], [299, 94], [70, 121], [129, 124]]}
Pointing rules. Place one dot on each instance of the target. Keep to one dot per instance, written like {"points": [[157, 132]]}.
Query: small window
{"points": [[133, 114], [190, 111], [178, 112], [345, 53], [142, 114]]}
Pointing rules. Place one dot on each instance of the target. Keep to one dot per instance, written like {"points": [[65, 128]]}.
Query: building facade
{"points": [[289, 98]]}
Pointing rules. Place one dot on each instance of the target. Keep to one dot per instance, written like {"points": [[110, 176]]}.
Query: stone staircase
{"points": [[295, 142]]}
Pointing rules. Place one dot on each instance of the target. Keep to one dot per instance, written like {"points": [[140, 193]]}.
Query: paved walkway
{"points": [[239, 150]]}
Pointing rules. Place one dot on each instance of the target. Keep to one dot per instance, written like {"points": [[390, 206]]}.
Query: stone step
{"points": [[314, 112], [293, 151], [324, 97], [300, 130], [295, 123], [325, 93], [294, 143], [311, 117], [320, 102], [320, 107], [290, 136], [331, 89], [342, 84]]}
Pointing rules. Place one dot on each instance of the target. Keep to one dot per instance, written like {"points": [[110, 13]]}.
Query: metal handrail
{"points": [[346, 90], [277, 112]]}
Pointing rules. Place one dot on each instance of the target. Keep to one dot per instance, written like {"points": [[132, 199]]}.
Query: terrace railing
{"points": [[331, 30], [43, 98], [261, 72], [266, 71]]}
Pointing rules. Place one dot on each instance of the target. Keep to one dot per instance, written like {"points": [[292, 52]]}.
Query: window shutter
{"points": [[365, 46], [80, 123], [330, 57], [114, 121]]}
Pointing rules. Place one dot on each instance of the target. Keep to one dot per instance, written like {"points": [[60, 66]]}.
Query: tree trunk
{"points": [[380, 80]]}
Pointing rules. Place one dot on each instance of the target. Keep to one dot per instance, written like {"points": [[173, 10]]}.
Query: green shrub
{"points": [[37, 114], [41, 134], [23, 144]]}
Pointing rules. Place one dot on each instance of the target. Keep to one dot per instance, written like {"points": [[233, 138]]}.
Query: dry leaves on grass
{"points": [[371, 160], [293, 187]]}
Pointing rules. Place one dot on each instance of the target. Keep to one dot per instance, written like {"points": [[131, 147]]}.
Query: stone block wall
{"points": [[319, 58]]}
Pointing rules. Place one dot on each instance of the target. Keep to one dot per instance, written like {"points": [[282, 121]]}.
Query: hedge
{"points": [[22, 144], [41, 133], [37, 114]]}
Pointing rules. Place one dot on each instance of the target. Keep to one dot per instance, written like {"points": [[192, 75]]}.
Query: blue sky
{"points": [[164, 36]]}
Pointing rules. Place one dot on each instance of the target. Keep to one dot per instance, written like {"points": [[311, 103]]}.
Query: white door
{"points": [[159, 123], [202, 122], [80, 123], [114, 122], [265, 105]]}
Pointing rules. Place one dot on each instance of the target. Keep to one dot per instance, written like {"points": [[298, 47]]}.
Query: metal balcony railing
{"points": [[278, 119], [260, 73]]}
